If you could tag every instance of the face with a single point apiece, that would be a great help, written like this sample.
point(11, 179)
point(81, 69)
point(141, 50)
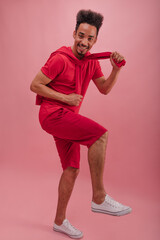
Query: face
point(84, 39)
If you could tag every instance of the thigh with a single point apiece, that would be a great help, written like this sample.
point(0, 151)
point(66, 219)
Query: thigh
point(69, 153)
point(70, 126)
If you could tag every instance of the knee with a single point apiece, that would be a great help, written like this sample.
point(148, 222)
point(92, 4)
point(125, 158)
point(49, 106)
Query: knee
point(71, 173)
point(75, 172)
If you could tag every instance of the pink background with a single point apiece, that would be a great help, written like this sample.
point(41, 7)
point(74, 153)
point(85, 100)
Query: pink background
point(30, 168)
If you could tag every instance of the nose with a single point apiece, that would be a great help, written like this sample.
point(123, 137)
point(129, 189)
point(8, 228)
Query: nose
point(84, 42)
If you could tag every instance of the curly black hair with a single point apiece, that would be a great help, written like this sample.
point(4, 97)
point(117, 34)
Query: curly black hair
point(90, 17)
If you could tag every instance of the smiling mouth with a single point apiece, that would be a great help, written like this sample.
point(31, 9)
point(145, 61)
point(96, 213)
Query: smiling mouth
point(81, 48)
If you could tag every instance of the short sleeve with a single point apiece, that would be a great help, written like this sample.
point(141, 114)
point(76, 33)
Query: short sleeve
point(53, 67)
point(98, 72)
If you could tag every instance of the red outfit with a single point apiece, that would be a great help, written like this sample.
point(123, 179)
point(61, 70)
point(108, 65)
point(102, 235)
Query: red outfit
point(68, 75)
point(70, 129)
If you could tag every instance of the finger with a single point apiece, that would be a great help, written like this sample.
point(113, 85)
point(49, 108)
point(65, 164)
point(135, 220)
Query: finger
point(113, 55)
point(119, 57)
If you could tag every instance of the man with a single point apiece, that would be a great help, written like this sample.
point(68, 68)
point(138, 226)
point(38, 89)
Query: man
point(60, 86)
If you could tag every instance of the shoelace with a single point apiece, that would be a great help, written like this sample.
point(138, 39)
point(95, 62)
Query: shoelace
point(112, 202)
point(70, 226)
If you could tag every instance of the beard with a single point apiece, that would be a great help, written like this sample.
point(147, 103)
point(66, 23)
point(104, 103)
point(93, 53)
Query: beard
point(80, 54)
point(81, 50)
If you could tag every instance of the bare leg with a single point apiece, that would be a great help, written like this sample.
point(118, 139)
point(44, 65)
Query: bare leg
point(65, 188)
point(96, 159)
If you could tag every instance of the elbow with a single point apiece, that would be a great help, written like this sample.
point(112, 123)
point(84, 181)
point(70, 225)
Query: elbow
point(105, 92)
point(33, 87)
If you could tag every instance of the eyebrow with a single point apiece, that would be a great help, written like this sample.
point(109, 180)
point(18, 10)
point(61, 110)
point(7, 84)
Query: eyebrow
point(84, 34)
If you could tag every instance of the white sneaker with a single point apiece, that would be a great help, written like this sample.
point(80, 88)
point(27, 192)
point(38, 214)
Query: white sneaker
point(68, 229)
point(110, 206)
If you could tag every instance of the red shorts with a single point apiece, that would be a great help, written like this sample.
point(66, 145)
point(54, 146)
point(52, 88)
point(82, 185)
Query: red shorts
point(69, 130)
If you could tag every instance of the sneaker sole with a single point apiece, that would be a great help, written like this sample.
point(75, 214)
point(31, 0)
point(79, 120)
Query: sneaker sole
point(71, 236)
point(121, 213)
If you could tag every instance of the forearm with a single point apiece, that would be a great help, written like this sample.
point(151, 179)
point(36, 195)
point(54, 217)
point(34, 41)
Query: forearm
point(47, 92)
point(110, 81)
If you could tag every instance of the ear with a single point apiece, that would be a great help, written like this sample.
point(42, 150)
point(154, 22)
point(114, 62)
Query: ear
point(74, 34)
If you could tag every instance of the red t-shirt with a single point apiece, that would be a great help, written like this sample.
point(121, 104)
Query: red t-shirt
point(61, 71)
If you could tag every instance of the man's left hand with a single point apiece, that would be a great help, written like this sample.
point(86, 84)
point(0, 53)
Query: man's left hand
point(118, 58)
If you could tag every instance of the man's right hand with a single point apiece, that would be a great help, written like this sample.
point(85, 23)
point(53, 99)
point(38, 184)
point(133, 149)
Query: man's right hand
point(73, 99)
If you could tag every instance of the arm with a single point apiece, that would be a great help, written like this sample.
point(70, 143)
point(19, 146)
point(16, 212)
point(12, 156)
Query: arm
point(105, 85)
point(38, 86)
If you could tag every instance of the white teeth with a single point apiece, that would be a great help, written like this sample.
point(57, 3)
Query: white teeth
point(82, 48)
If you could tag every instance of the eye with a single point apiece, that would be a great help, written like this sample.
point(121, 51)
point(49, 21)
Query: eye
point(90, 39)
point(80, 36)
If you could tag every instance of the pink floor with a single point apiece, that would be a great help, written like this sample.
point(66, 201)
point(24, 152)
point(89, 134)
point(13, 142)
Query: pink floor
point(28, 202)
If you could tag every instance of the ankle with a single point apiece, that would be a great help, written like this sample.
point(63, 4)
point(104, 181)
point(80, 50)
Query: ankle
point(99, 197)
point(59, 221)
